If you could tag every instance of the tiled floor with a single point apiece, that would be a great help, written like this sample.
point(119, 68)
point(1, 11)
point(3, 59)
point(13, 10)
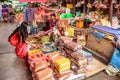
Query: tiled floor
point(14, 68)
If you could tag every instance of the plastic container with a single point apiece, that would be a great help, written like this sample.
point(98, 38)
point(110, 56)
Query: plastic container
point(80, 23)
point(48, 49)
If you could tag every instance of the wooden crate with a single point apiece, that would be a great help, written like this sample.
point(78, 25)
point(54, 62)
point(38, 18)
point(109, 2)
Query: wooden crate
point(102, 49)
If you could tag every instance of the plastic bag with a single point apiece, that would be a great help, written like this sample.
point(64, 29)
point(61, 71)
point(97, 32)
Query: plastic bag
point(63, 16)
point(115, 60)
point(13, 39)
point(69, 15)
point(21, 50)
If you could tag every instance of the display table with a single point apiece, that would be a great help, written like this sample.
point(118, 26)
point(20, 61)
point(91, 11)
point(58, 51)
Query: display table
point(97, 66)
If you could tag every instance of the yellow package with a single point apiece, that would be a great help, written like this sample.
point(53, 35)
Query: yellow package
point(63, 69)
point(70, 31)
point(33, 51)
point(110, 37)
point(62, 63)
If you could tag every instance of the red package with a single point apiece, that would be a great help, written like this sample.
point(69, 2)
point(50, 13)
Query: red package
point(52, 55)
point(64, 77)
point(13, 39)
point(35, 57)
point(21, 50)
point(55, 58)
point(39, 65)
point(45, 74)
point(68, 72)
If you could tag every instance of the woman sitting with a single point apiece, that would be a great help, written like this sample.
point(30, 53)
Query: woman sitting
point(18, 39)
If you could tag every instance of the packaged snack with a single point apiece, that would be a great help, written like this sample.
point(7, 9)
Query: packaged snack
point(33, 51)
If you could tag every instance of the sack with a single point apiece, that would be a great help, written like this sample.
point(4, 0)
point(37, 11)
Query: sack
point(21, 50)
point(13, 39)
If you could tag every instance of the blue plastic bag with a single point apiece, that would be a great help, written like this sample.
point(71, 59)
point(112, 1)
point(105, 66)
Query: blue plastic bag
point(115, 60)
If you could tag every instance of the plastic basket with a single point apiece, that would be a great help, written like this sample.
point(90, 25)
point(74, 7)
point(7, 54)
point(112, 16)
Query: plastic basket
point(51, 49)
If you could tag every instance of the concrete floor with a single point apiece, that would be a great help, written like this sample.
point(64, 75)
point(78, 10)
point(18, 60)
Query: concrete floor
point(14, 68)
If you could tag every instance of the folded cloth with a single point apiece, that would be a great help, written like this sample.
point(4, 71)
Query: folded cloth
point(98, 35)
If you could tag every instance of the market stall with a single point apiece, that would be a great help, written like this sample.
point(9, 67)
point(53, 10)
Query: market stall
point(64, 52)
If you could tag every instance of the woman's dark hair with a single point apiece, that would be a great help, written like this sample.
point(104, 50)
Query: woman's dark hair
point(53, 15)
point(22, 32)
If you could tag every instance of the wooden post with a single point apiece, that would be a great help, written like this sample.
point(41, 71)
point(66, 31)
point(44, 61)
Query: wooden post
point(111, 10)
point(73, 2)
point(84, 7)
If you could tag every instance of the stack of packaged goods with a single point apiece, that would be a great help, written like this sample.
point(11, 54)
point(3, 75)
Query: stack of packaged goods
point(79, 31)
point(61, 42)
point(60, 65)
point(62, 68)
point(78, 60)
point(80, 35)
point(73, 51)
point(39, 67)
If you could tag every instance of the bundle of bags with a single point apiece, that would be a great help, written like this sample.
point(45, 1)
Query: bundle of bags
point(73, 51)
point(80, 35)
point(60, 65)
point(48, 66)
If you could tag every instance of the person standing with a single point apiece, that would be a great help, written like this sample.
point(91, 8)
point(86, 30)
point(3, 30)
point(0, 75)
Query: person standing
point(11, 13)
point(0, 13)
point(11, 10)
point(5, 13)
point(29, 16)
point(0, 16)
